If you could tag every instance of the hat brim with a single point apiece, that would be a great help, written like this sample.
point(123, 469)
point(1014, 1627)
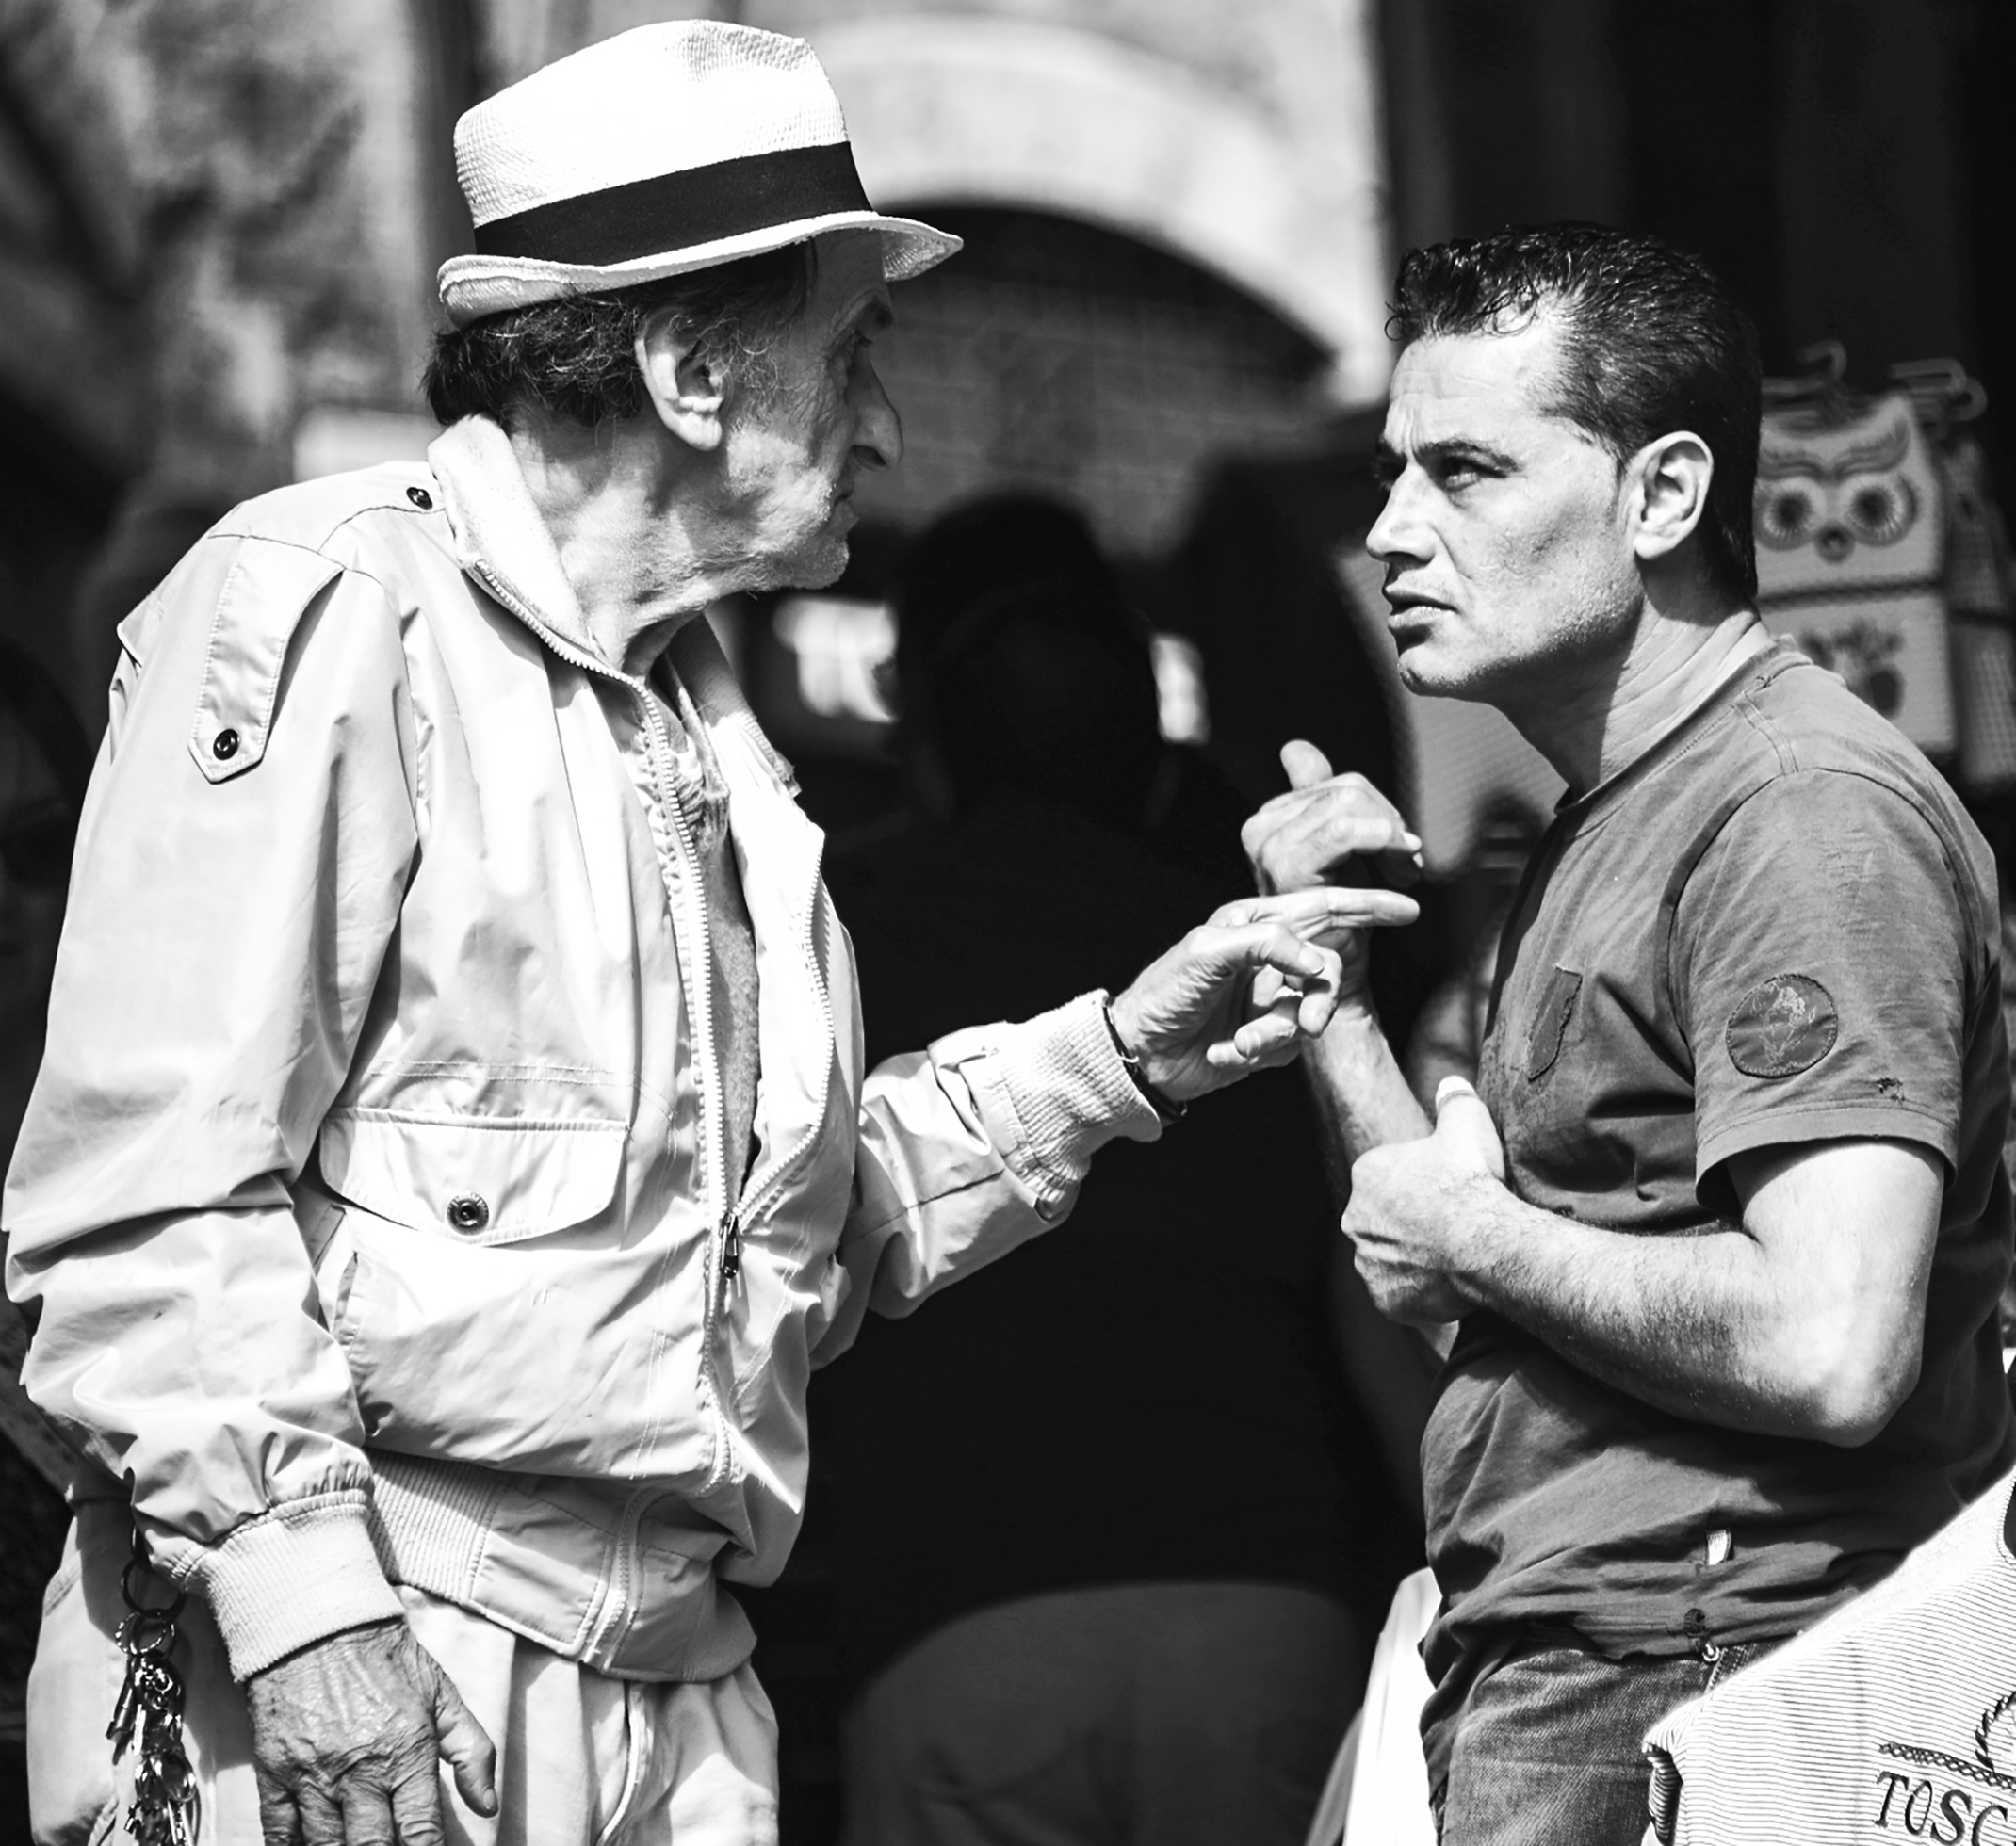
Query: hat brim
point(473, 287)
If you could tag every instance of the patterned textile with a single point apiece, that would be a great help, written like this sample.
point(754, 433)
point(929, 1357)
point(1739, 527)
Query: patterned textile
point(1894, 1716)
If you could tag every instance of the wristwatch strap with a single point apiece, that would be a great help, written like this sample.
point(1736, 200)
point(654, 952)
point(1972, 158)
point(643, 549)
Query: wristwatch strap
point(1167, 1109)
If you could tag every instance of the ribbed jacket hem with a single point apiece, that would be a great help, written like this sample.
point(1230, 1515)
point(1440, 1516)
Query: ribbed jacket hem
point(295, 1575)
point(497, 1544)
point(429, 1521)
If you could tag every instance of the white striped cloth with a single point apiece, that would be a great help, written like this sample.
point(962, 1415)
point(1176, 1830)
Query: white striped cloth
point(1893, 1720)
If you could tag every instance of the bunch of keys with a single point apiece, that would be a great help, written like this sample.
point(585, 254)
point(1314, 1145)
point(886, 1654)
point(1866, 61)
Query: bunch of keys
point(164, 1804)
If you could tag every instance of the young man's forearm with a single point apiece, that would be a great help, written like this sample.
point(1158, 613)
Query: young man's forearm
point(1362, 1100)
point(1698, 1325)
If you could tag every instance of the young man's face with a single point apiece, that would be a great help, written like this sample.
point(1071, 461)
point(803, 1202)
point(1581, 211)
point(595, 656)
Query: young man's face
point(794, 454)
point(1503, 536)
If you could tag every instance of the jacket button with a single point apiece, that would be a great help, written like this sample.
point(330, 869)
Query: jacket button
point(468, 1212)
point(224, 745)
point(421, 499)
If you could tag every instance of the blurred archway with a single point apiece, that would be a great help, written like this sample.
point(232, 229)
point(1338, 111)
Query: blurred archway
point(1008, 112)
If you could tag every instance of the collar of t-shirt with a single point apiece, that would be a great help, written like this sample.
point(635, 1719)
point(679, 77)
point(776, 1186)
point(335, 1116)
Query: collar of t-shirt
point(1758, 666)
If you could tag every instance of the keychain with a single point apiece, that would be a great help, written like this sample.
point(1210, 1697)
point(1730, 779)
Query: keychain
point(166, 1808)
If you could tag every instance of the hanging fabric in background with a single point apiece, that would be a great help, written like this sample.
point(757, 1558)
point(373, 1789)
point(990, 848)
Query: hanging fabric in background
point(1880, 550)
point(1851, 550)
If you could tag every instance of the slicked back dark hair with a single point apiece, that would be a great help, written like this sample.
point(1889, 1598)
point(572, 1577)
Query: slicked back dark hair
point(577, 357)
point(1652, 342)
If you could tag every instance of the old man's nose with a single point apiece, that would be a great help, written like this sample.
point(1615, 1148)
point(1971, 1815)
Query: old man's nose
point(879, 433)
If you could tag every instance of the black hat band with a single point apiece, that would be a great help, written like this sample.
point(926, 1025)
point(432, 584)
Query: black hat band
point(682, 211)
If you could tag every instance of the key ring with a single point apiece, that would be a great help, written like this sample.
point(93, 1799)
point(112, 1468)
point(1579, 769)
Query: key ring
point(166, 1810)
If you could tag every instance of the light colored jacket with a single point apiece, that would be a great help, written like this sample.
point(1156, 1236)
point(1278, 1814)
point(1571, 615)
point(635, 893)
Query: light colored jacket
point(372, 1188)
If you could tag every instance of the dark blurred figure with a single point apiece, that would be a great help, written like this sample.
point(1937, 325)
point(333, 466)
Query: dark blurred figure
point(1117, 1588)
point(1256, 584)
point(44, 763)
point(953, 580)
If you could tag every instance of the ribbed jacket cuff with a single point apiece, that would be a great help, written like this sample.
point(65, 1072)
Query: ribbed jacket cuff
point(302, 1572)
point(1070, 1091)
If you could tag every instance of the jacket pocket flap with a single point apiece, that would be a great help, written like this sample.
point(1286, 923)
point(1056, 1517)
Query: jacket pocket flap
point(487, 1180)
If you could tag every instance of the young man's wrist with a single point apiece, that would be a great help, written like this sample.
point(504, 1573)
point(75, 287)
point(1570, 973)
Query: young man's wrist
point(1355, 1019)
point(1475, 1214)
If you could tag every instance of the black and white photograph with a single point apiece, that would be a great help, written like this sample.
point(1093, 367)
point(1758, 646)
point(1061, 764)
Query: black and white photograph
point(1319, 693)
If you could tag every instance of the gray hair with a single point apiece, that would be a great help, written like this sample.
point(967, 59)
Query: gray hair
point(576, 357)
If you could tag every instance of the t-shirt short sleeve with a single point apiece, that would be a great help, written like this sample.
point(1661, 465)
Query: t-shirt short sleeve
point(1819, 960)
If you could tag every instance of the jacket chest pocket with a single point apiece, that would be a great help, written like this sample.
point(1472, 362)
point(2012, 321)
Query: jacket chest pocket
point(479, 1180)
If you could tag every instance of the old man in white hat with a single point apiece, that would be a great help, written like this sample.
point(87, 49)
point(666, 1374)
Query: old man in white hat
point(454, 1149)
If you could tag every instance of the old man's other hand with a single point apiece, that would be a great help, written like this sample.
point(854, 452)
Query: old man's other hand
point(1243, 991)
point(345, 1734)
point(1411, 1203)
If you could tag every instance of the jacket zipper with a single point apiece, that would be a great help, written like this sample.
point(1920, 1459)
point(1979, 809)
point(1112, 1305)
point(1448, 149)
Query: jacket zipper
point(617, 1608)
point(726, 1237)
point(721, 1266)
point(758, 1194)
point(725, 1245)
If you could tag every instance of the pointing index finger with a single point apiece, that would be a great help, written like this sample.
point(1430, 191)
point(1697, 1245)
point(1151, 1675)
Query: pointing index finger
point(1337, 906)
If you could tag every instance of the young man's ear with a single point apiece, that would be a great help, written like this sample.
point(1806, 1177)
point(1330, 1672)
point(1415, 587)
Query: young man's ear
point(687, 386)
point(1673, 473)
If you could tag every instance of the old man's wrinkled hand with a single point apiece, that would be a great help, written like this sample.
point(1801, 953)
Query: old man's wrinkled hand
point(344, 1736)
point(1243, 991)
point(1416, 1203)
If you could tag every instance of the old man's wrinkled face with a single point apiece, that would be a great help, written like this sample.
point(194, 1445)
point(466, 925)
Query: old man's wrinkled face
point(795, 451)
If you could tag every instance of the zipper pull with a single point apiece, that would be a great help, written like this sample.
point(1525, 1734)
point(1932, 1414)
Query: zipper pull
point(731, 1249)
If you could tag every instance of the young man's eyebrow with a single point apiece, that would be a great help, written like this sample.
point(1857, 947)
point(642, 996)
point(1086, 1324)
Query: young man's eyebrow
point(1463, 449)
point(1386, 459)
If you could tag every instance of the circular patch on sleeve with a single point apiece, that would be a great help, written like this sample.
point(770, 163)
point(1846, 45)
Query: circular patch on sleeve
point(1785, 1024)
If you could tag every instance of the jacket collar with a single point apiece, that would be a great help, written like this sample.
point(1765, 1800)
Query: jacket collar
point(499, 534)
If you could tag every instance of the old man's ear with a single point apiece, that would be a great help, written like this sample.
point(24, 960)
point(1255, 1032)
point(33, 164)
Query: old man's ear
point(685, 379)
point(1673, 473)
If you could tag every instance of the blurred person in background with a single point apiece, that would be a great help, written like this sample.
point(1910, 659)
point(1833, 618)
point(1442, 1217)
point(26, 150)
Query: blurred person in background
point(1126, 1599)
point(1191, 811)
point(44, 763)
point(1726, 1230)
point(454, 1143)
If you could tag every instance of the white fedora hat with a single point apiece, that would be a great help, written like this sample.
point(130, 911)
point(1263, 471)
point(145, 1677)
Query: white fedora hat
point(668, 149)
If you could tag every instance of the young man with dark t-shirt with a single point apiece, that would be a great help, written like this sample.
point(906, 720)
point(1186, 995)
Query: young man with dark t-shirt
point(1725, 1223)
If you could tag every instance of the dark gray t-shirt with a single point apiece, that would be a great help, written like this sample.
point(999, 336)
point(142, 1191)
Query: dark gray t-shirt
point(1776, 927)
